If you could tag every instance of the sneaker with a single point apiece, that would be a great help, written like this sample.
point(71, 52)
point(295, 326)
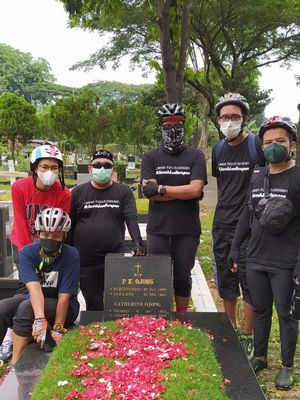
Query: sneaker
point(284, 379)
point(247, 345)
point(6, 351)
point(257, 364)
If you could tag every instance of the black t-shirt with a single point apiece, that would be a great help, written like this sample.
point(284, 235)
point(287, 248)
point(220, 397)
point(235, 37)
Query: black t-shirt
point(98, 220)
point(175, 217)
point(233, 171)
point(264, 249)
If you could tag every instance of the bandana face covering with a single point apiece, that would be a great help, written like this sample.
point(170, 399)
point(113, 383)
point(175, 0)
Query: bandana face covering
point(173, 139)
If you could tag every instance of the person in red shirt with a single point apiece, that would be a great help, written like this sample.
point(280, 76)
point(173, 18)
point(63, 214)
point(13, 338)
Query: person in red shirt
point(45, 188)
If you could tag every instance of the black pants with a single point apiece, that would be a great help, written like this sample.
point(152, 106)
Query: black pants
point(265, 287)
point(8, 309)
point(17, 313)
point(183, 252)
point(92, 286)
point(229, 283)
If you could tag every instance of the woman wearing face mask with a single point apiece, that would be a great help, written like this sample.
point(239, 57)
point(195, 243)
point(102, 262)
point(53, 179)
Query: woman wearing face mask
point(29, 197)
point(99, 210)
point(50, 272)
point(273, 257)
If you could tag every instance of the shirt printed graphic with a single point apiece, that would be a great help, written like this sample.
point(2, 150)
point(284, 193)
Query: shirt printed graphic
point(102, 204)
point(173, 170)
point(50, 279)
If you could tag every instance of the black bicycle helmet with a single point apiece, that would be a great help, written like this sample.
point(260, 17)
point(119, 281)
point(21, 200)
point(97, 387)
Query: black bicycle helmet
point(235, 99)
point(169, 110)
point(278, 122)
point(52, 220)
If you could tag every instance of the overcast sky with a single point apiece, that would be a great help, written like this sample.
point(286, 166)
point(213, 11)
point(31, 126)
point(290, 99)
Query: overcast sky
point(41, 28)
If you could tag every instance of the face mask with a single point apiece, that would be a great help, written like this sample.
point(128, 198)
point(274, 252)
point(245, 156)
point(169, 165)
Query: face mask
point(173, 139)
point(276, 153)
point(47, 178)
point(102, 175)
point(50, 246)
point(231, 129)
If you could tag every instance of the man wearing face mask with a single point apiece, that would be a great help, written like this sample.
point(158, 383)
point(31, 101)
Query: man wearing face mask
point(99, 211)
point(173, 177)
point(273, 254)
point(233, 161)
point(50, 272)
point(29, 197)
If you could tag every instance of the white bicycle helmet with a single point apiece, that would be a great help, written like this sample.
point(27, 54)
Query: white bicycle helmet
point(52, 220)
point(235, 99)
point(168, 110)
point(45, 151)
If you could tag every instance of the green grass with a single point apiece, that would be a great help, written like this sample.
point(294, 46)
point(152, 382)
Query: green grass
point(198, 377)
point(204, 249)
point(142, 206)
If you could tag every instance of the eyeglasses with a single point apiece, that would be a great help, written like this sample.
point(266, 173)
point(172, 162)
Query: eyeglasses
point(45, 167)
point(100, 165)
point(230, 117)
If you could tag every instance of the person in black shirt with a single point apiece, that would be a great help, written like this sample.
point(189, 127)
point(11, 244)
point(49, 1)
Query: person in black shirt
point(233, 160)
point(173, 177)
point(99, 210)
point(273, 258)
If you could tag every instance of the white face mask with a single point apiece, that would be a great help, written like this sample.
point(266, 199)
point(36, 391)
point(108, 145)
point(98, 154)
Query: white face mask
point(47, 178)
point(231, 129)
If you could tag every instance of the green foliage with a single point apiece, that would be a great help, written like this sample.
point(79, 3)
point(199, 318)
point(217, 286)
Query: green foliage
point(81, 118)
point(17, 119)
point(29, 78)
point(120, 167)
point(23, 164)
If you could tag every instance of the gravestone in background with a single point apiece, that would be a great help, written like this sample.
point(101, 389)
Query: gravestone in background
point(137, 286)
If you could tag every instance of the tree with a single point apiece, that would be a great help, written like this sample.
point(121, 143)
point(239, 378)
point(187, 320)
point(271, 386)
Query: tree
point(17, 119)
point(29, 78)
point(81, 119)
point(140, 29)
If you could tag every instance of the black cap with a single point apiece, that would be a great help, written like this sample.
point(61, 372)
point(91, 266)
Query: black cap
point(102, 154)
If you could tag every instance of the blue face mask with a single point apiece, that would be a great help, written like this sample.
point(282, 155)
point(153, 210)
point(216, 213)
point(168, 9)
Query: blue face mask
point(102, 175)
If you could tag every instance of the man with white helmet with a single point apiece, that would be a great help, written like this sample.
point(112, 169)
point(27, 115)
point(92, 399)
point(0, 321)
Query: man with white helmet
point(50, 271)
point(29, 197)
point(233, 161)
point(173, 177)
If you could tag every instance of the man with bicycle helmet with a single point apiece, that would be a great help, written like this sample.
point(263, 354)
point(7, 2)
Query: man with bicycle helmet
point(173, 177)
point(29, 197)
point(50, 271)
point(233, 160)
point(273, 250)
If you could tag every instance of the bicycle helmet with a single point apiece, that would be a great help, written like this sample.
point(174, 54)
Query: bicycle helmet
point(235, 99)
point(52, 220)
point(45, 151)
point(170, 110)
point(278, 122)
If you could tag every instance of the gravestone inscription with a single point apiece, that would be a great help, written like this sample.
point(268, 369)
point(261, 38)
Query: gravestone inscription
point(137, 286)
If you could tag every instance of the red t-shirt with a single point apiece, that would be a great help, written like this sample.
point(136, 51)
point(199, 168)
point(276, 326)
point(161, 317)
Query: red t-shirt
point(28, 202)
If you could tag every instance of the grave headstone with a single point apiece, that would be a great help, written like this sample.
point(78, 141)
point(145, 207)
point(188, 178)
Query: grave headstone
point(131, 162)
point(137, 286)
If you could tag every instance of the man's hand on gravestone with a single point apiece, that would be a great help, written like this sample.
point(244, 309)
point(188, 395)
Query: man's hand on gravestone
point(150, 189)
point(139, 249)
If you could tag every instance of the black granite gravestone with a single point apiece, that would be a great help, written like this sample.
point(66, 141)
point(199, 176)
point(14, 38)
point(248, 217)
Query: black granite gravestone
point(137, 286)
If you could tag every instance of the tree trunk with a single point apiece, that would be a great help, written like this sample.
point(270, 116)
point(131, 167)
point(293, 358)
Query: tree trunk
point(203, 146)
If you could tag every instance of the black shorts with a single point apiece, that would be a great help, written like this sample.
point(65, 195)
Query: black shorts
point(229, 283)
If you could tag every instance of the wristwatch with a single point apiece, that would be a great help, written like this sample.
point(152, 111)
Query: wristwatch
point(162, 190)
point(59, 328)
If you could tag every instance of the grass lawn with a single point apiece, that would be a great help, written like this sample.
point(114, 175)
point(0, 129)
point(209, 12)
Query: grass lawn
point(266, 377)
point(191, 377)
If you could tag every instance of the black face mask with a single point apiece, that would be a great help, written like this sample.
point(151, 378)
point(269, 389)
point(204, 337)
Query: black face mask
point(50, 246)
